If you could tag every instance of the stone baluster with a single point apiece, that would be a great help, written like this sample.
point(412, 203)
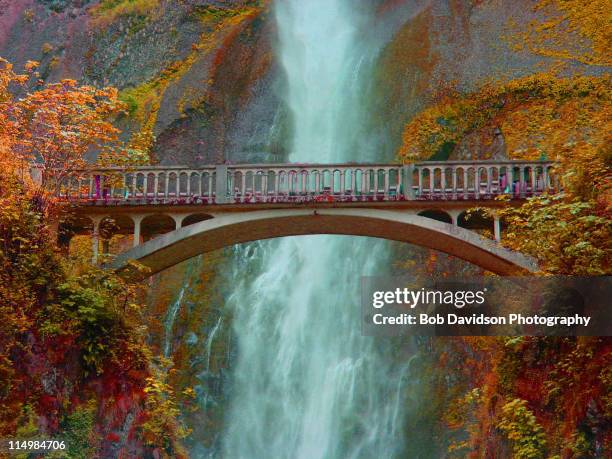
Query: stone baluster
point(478, 181)
point(221, 179)
point(497, 227)
point(145, 184)
point(155, 184)
point(420, 178)
point(91, 186)
point(365, 182)
point(276, 183)
point(432, 181)
point(386, 182)
point(264, 185)
point(511, 178)
point(443, 181)
point(408, 178)
point(521, 183)
point(398, 180)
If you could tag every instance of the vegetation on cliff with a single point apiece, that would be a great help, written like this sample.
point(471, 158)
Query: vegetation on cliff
point(535, 397)
point(541, 116)
point(73, 359)
point(527, 397)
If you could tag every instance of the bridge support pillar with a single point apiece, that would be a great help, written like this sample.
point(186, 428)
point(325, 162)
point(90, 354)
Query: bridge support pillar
point(221, 185)
point(407, 182)
point(497, 228)
point(95, 239)
point(137, 219)
point(454, 215)
point(178, 220)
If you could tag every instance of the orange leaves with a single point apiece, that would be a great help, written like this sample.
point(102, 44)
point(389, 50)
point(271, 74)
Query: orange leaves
point(61, 122)
point(55, 126)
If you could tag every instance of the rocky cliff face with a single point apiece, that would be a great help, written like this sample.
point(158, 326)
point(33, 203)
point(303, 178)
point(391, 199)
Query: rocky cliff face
point(200, 74)
point(195, 74)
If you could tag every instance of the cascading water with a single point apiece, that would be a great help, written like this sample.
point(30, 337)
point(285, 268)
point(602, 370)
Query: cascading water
point(174, 308)
point(306, 383)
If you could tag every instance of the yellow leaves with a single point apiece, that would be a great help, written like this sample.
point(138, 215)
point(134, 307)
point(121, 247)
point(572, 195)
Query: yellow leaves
point(565, 119)
point(522, 428)
point(570, 30)
point(31, 66)
point(538, 114)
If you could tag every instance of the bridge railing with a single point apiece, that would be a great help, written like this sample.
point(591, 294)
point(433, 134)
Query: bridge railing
point(482, 179)
point(286, 183)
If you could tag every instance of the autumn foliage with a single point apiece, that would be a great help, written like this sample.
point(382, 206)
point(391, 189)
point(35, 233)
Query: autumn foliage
point(58, 126)
point(535, 397)
point(73, 358)
point(572, 30)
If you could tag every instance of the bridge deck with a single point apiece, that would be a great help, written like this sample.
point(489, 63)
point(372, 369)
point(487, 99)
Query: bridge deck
point(235, 203)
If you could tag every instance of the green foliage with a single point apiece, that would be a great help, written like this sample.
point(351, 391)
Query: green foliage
point(566, 119)
point(130, 101)
point(78, 433)
point(569, 237)
point(209, 12)
point(70, 330)
point(522, 429)
point(92, 315)
point(27, 423)
point(580, 446)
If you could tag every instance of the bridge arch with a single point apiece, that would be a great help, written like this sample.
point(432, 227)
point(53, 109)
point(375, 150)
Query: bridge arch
point(235, 228)
point(157, 224)
point(194, 218)
point(436, 214)
point(474, 220)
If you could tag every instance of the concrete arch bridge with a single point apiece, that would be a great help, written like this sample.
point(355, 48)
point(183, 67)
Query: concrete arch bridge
point(175, 213)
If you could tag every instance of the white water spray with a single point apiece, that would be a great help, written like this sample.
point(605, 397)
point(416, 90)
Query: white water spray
point(307, 384)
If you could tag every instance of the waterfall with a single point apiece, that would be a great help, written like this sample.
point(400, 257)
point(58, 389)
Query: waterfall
point(306, 383)
point(173, 309)
point(170, 318)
